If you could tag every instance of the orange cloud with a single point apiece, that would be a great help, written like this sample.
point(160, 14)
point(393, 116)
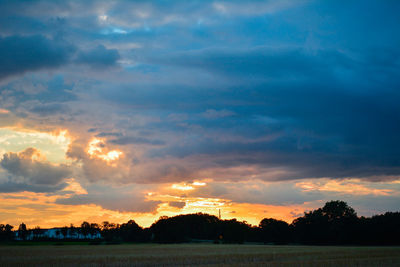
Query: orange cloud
point(74, 187)
point(351, 187)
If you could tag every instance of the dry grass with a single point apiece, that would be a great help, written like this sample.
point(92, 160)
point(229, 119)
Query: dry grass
point(197, 254)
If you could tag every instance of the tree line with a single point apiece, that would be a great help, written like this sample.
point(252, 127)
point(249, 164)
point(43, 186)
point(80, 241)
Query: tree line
point(335, 223)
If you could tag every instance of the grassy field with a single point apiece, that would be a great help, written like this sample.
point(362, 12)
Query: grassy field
point(197, 254)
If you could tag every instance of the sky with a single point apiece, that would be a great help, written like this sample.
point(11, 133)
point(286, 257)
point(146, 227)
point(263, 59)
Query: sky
point(119, 110)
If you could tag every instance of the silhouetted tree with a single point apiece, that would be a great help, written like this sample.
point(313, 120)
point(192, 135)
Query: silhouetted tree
point(37, 232)
point(6, 233)
point(94, 228)
point(72, 230)
point(85, 229)
point(380, 229)
point(234, 231)
point(105, 226)
point(334, 223)
point(64, 231)
point(110, 232)
point(338, 210)
point(22, 231)
point(131, 232)
point(184, 228)
point(274, 231)
point(58, 233)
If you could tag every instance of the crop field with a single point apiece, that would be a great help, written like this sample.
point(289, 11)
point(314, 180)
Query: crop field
point(196, 254)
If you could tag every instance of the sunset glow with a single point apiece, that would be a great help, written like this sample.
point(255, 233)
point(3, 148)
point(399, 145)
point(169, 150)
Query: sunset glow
point(182, 187)
point(96, 149)
point(111, 155)
point(187, 186)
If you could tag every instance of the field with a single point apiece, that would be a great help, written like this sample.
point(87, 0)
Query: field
point(196, 254)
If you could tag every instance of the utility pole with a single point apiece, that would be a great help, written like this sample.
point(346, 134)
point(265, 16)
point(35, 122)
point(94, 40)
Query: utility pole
point(219, 214)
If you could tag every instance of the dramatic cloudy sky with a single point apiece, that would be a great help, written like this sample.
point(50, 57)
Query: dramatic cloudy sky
point(117, 110)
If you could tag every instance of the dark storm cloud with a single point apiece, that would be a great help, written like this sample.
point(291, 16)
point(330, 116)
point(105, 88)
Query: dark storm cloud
point(18, 24)
point(267, 62)
point(324, 107)
point(19, 54)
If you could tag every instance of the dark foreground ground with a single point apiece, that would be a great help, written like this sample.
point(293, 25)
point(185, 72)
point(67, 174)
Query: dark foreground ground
point(196, 254)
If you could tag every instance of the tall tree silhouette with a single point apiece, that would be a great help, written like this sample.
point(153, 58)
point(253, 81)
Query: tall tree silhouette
point(85, 229)
point(22, 231)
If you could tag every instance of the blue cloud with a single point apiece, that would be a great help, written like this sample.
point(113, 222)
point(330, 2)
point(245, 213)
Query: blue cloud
point(135, 140)
point(98, 57)
point(28, 53)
